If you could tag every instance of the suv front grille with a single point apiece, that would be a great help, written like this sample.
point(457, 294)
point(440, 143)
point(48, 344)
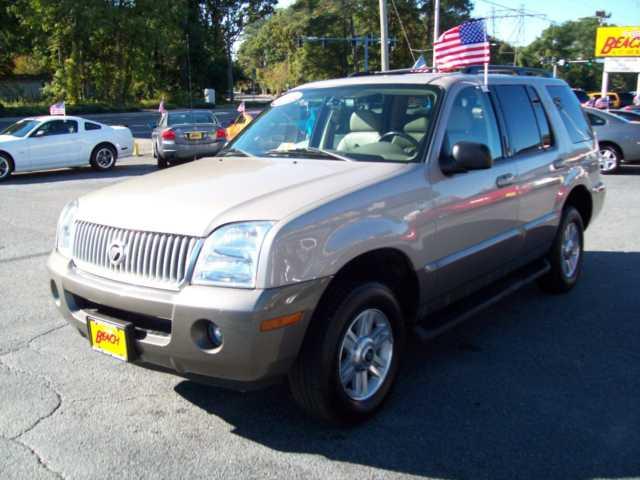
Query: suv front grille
point(142, 258)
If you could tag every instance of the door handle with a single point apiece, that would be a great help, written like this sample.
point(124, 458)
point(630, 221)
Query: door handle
point(505, 180)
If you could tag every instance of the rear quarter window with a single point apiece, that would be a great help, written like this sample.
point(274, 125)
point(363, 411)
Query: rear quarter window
point(571, 113)
point(91, 126)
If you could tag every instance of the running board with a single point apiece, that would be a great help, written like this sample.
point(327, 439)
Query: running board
point(460, 311)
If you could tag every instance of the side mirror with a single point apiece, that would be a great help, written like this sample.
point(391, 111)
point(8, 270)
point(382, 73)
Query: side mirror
point(467, 156)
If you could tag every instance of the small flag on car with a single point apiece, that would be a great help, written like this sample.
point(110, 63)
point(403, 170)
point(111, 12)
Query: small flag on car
point(420, 65)
point(241, 107)
point(57, 109)
point(161, 108)
point(466, 44)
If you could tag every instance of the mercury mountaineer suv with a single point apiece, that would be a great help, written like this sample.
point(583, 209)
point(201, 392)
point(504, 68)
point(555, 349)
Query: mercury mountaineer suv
point(350, 214)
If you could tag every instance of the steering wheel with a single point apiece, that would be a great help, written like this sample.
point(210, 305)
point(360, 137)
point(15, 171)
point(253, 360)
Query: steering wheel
point(396, 133)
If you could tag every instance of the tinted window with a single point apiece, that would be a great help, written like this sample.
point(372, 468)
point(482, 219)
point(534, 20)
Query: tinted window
point(581, 95)
point(91, 126)
point(541, 118)
point(519, 117)
point(472, 119)
point(57, 127)
point(595, 120)
point(625, 99)
point(571, 113)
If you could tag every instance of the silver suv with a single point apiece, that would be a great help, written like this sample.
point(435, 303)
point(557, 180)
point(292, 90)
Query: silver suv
point(349, 215)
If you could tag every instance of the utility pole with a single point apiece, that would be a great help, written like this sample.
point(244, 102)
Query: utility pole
point(436, 28)
point(384, 37)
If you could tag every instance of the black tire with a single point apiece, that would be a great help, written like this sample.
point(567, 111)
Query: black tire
point(6, 166)
point(315, 380)
point(104, 157)
point(154, 149)
point(162, 161)
point(610, 159)
point(558, 280)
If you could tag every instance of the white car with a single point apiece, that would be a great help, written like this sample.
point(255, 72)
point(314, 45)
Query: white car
point(42, 143)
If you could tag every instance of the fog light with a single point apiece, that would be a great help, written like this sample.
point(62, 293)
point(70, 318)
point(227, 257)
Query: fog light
point(215, 335)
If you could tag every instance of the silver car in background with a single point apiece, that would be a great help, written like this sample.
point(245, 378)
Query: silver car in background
point(186, 135)
point(619, 139)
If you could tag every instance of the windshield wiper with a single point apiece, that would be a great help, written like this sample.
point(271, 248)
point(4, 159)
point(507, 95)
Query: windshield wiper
point(233, 152)
point(310, 152)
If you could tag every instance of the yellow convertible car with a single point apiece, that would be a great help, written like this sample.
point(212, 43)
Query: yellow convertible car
point(238, 125)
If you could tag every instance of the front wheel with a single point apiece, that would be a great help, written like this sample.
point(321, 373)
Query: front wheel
point(350, 356)
point(103, 157)
point(6, 167)
point(565, 256)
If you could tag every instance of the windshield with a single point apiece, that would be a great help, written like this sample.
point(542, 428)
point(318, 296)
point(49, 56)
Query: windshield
point(363, 122)
point(178, 118)
point(21, 128)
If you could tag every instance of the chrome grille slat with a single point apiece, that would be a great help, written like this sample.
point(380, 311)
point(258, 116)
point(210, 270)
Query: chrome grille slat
point(152, 259)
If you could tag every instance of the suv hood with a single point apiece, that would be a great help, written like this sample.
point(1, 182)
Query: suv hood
point(195, 198)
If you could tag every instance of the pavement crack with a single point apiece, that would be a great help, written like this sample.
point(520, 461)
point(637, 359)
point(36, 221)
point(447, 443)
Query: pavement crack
point(41, 461)
point(25, 257)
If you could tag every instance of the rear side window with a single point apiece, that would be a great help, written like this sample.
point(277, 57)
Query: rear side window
point(595, 120)
point(91, 126)
point(571, 113)
point(546, 137)
point(519, 117)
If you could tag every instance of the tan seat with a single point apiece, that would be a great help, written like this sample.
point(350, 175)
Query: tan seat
point(417, 128)
point(364, 128)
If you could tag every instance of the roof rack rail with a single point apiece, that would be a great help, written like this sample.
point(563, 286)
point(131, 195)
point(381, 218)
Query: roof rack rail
point(471, 70)
point(399, 71)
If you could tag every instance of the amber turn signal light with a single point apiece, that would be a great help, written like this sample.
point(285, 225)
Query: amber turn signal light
point(280, 322)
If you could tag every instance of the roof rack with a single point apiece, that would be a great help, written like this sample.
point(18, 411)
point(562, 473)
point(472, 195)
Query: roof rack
point(472, 70)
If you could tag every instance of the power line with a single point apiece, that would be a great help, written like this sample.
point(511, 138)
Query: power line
point(404, 31)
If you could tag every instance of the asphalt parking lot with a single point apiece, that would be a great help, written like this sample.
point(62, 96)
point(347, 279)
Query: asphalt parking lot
point(544, 387)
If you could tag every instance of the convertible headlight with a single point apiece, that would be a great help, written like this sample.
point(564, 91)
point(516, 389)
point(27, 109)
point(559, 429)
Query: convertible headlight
point(229, 257)
point(67, 229)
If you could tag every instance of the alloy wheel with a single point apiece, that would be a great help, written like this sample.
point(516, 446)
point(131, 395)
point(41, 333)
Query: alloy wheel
point(570, 249)
point(105, 158)
point(5, 168)
point(365, 354)
point(608, 160)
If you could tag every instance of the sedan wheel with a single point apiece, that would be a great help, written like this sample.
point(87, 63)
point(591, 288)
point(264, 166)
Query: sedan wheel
point(103, 157)
point(5, 167)
point(609, 159)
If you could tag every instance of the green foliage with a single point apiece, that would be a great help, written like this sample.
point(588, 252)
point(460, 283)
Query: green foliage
point(119, 51)
point(270, 49)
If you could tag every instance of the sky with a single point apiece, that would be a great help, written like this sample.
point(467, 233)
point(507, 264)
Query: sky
point(623, 12)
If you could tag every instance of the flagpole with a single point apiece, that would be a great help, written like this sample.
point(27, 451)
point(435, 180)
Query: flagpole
point(436, 28)
point(486, 64)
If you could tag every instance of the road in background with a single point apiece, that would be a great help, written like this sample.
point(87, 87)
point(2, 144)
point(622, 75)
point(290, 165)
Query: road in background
point(141, 123)
point(536, 387)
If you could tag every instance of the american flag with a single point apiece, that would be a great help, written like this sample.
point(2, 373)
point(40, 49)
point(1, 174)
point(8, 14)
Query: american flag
point(466, 44)
point(57, 109)
point(420, 65)
point(161, 108)
point(242, 107)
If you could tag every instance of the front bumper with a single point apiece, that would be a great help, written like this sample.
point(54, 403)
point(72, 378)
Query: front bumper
point(180, 151)
point(247, 357)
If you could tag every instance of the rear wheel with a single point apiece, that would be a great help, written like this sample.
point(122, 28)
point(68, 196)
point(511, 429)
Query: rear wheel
point(350, 356)
point(609, 158)
point(565, 256)
point(103, 157)
point(162, 161)
point(6, 166)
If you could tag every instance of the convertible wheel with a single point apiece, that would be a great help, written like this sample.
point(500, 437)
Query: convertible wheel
point(609, 159)
point(103, 157)
point(6, 167)
point(350, 357)
point(565, 256)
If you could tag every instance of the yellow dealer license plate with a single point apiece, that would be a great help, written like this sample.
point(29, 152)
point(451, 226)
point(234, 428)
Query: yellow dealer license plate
point(195, 135)
point(109, 338)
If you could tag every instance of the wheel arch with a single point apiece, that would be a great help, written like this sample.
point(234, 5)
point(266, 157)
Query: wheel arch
point(581, 200)
point(105, 143)
point(612, 144)
point(389, 266)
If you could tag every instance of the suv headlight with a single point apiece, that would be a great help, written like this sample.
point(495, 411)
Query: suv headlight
point(229, 257)
point(67, 229)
